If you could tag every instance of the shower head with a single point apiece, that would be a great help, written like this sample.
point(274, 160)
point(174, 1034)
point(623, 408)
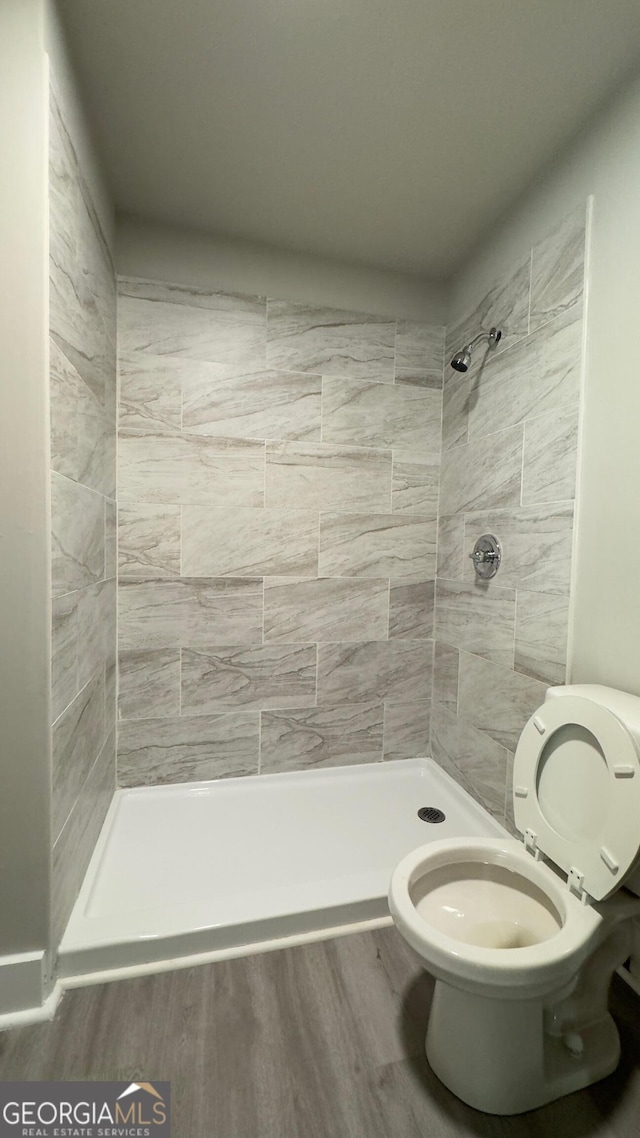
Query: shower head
point(462, 359)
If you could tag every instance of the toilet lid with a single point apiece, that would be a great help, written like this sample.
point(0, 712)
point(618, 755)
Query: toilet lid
point(576, 788)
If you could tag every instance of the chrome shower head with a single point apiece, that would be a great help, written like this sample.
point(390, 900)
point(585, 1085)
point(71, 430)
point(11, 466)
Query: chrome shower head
point(462, 360)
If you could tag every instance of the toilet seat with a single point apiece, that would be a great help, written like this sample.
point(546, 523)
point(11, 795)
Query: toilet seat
point(518, 973)
point(576, 790)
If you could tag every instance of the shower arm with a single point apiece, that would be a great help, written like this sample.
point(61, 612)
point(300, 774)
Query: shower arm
point(492, 337)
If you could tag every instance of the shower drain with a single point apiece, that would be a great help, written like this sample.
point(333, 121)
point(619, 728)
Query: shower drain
point(430, 814)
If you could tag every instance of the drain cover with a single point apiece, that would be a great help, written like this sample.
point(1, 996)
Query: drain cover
point(430, 814)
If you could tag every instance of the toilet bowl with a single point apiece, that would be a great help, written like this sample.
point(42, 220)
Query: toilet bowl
point(523, 937)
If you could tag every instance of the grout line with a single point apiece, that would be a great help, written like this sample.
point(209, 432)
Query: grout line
point(384, 727)
point(180, 651)
point(82, 485)
point(388, 607)
point(530, 292)
point(318, 531)
point(260, 713)
point(181, 570)
point(524, 427)
point(515, 626)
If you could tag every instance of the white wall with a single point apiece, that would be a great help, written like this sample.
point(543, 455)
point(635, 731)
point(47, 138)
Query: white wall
point(605, 162)
point(189, 257)
point(24, 482)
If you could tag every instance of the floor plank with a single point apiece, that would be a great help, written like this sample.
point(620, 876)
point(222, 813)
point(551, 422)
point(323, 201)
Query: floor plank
point(321, 1041)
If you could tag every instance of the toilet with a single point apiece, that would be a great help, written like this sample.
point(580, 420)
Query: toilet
point(523, 936)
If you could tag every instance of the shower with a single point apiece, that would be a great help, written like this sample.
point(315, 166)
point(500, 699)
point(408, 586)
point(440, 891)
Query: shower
point(462, 359)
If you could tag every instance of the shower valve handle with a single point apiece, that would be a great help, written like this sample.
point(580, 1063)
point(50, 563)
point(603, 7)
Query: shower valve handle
point(481, 556)
point(486, 556)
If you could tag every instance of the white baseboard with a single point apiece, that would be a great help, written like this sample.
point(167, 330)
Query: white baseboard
point(23, 982)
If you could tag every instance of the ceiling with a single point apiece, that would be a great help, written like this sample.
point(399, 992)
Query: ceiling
point(389, 133)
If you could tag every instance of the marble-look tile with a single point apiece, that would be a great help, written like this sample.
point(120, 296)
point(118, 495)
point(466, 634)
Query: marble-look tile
point(173, 320)
point(266, 676)
point(496, 700)
point(76, 843)
point(149, 683)
point(188, 749)
point(78, 735)
point(257, 404)
point(245, 542)
point(329, 341)
point(451, 549)
point(472, 758)
point(111, 690)
point(557, 269)
point(64, 652)
point(416, 481)
point(149, 540)
point(419, 353)
point(321, 737)
point(82, 436)
point(110, 538)
point(506, 304)
point(395, 670)
point(550, 457)
point(539, 375)
point(360, 413)
point(445, 675)
point(79, 311)
point(328, 609)
point(64, 195)
point(459, 392)
point(376, 545)
point(189, 469)
point(190, 612)
point(482, 474)
point(77, 535)
point(478, 617)
point(536, 545)
point(542, 627)
point(76, 326)
point(327, 477)
point(96, 451)
point(65, 390)
point(96, 618)
point(151, 392)
point(406, 730)
point(94, 258)
point(411, 604)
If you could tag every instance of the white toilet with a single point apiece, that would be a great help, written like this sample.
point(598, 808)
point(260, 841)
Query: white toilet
point(523, 937)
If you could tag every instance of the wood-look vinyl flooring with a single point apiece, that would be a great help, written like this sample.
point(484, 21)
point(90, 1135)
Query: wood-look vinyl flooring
point(321, 1041)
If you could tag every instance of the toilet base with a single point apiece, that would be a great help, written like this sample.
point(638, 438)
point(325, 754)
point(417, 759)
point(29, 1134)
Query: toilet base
point(495, 1055)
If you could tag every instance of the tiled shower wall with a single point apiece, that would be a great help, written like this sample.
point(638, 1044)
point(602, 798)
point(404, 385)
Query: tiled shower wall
point(510, 440)
point(83, 516)
point(278, 483)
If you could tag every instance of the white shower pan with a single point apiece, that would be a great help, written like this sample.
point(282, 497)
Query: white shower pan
point(209, 867)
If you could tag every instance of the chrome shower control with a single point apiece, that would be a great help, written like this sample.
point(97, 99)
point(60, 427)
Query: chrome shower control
point(486, 556)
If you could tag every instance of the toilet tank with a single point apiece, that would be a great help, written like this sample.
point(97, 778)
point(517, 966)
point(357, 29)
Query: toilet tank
point(627, 709)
